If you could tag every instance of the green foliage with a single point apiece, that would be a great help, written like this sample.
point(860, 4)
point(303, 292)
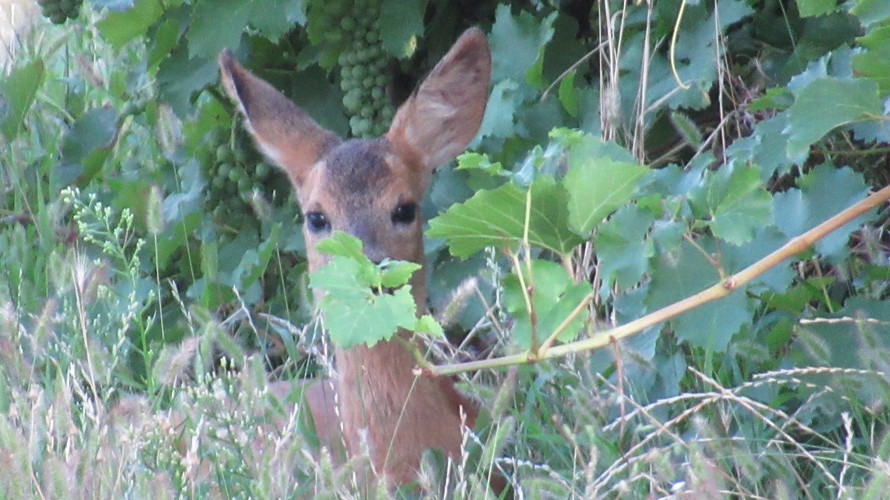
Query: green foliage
point(365, 302)
point(825, 103)
point(733, 201)
point(596, 187)
point(506, 224)
point(19, 89)
point(628, 159)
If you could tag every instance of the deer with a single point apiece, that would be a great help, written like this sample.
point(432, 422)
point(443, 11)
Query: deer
point(372, 189)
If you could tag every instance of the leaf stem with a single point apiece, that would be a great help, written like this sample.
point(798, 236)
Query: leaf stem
point(723, 288)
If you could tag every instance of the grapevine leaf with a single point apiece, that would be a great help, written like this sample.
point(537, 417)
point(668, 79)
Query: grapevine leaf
point(825, 104)
point(216, 25)
point(684, 272)
point(517, 43)
point(219, 24)
point(401, 22)
point(734, 200)
point(778, 98)
point(165, 38)
point(341, 244)
point(477, 161)
point(353, 313)
point(596, 187)
point(497, 218)
point(180, 76)
point(767, 147)
point(395, 273)
point(871, 11)
point(275, 17)
point(811, 8)
point(553, 297)
point(86, 146)
point(499, 112)
point(17, 91)
point(824, 191)
point(428, 324)
point(874, 62)
point(622, 246)
point(121, 26)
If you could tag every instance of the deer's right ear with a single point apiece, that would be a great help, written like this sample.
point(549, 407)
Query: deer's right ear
point(284, 132)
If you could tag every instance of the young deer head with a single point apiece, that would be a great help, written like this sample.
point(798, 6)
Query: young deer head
point(372, 189)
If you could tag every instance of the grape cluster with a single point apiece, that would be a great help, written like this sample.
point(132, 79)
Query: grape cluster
point(351, 30)
point(234, 174)
point(59, 11)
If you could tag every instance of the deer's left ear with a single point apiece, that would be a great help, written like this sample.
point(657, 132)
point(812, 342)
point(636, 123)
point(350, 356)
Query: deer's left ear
point(445, 112)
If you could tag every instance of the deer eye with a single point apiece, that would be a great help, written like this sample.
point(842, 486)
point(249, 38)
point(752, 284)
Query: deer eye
point(317, 222)
point(405, 213)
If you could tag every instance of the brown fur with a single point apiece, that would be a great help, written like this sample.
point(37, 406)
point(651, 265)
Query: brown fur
point(357, 184)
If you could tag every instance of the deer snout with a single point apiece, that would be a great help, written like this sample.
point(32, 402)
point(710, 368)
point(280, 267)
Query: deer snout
point(365, 231)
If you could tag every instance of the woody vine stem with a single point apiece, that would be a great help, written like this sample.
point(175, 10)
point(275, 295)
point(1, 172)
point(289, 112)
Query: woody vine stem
point(718, 290)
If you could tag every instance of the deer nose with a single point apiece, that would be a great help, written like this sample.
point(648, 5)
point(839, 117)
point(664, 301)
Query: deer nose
point(364, 231)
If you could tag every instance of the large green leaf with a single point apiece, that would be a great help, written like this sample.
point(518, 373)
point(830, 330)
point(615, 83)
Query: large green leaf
point(17, 92)
point(622, 247)
point(826, 103)
point(497, 218)
point(87, 146)
point(353, 313)
point(401, 22)
point(216, 25)
point(768, 148)
point(517, 43)
point(684, 272)
point(871, 11)
point(809, 8)
point(874, 62)
point(596, 187)
point(179, 77)
point(361, 302)
point(735, 202)
point(824, 191)
point(121, 26)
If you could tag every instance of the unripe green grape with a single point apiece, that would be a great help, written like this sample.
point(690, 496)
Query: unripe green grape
point(223, 170)
point(352, 100)
point(235, 174)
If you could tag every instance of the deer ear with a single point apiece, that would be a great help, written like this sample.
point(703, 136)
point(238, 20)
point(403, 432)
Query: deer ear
point(284, 132)
point(444, 113)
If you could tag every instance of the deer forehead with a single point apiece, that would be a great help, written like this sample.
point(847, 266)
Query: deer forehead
point(357, 175)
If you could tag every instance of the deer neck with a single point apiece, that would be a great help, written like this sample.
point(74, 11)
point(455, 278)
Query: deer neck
point(394, 412)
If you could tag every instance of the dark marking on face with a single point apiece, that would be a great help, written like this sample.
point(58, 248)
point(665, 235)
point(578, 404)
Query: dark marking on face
point(358, 167)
